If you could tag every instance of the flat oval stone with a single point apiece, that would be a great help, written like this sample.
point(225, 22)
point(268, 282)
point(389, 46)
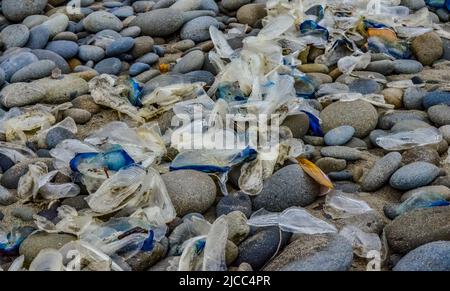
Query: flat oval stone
point(407, 66)
point(339, 135)
point(101, 20)
point(414, 175)
point(36, 70)
point(38, 38)
point(64, 48)
point(91, 53)
point(60, 62)
point(17, 10)
point(16, 62)
point(198, 28)
point(15, 35)
point(120, 46)
point(111, 66)
point(160, 22)
point(190, 62)
point(364, 86)
point(21, 94)
point(435, 98)
point(381, 171)
point(138, 68)
point(434, 256)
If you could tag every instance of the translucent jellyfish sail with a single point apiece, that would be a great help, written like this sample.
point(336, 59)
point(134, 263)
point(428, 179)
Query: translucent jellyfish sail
point(293, 219)
point(342, 205)
point(363, 243)
point(410, 139)
point(216, 241)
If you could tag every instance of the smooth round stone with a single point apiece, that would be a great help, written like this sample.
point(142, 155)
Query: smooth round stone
point(361, 115)
point(15, 35)
point(289, 186)
point(60, 62)
point(439, 114)
point(414, 175)
point(407, 66)
point(251, 14)
point(341, 152)
point(101, 20)
point(111, 66)
point(138, 68)
point(364, 86)
point(33, 71)
point(186, 5)
point(340, 176)
point(257, 249)
point(133, 31)
point(34, 243)
point(16, 62)
point(443, 15)
point(34, 20)
point(190, 62)
point(339, 135)
point(421, 154)
point(149, 58)
point(190, 191)
point(238, 229)
point(38, 38)
point(91, 53)
point(142, 45)
point(328, 164)
point(80, 116)
point(21, 94)
point(201, 76)
point(64, 48)
point(418, 227)
point(298, 124)
point(427, 48)
point(104, 38)
point(413, 97)
point(209, 5)
point(56, 24)
point(25, 213)
point(435, 98)
point(66, 35)
point(234, 4)
point(123, 12)
point(238, 202)
point(385, 67)
point(160, 22)
point(393, 96)
point(120, 46)
point(143, 6)
point(322, 252)
point(198, 28)
point(18, 10)
point(445, 131)
point(381, 171)
point(388, 120)
point(62, 90)
point(86, 102)
point(57, 135)
point(434, 256)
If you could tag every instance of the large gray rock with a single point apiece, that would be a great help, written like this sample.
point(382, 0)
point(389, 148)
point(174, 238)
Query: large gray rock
point(341, 152)
point(38, 38)
point(289, 186)
point(381, 171)
point(21, 94)
point(161, 22)
point(36, 70)
point(198, 29)
point(15, 35)
point(359, 114)
point(17, 10)
point(101, 20)
point(62, 90)
point(57, 23)
point(439, 114)
point(60, 62)
point(418, 227)
point(314, 253)
point(434, 256)
point(190, 62)
point(16, 62)
point(190, 191)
